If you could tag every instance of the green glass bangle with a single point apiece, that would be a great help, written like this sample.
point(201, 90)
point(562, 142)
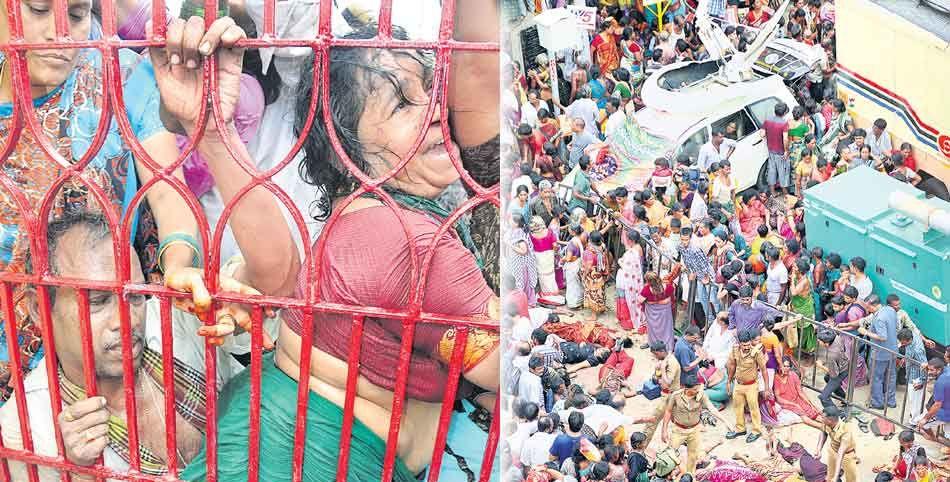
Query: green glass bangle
point(180, 238)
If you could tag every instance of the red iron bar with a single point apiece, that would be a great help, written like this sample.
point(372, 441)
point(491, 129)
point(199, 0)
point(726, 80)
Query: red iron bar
point(114, 115)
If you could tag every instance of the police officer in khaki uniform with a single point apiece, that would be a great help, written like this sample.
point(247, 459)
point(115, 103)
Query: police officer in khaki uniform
point(841, 451)
point(683, 409)
point(667, 375)
point(745, 363)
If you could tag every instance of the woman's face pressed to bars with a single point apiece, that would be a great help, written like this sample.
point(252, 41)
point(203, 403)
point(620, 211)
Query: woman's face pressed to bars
point(48, 68)
point(393, 119)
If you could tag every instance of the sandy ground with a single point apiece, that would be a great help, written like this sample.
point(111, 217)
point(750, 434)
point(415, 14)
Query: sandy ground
point(871, 450)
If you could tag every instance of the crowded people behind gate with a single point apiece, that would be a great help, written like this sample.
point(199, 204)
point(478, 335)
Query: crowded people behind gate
point(680, 288)
point(370, 257)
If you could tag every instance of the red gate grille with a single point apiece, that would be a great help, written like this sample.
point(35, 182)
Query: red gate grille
point(34, 222)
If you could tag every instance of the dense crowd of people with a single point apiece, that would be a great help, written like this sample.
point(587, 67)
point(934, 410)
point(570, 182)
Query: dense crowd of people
point(377, 101)
point(721, 287)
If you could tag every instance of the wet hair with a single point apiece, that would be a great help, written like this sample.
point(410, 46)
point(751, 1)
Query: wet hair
point(859, 132)
point(746, 336)
point(692, 330)
point(658, 347)
point(351, 74)
point(762, 230)
point(615, 102)
point(906, 436)
point(535, 362)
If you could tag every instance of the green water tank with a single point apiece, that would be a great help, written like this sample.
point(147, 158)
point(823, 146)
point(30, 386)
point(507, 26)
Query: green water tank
point(850, 215)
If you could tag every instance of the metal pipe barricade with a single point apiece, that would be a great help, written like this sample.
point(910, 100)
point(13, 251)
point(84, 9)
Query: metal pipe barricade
point(34, 221)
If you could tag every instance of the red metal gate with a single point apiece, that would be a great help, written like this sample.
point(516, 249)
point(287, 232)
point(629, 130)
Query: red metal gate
point(35, 223)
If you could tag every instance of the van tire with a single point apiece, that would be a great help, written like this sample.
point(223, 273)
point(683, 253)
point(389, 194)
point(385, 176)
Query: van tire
point(934, 187)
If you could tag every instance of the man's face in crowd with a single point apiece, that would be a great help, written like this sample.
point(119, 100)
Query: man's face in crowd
point(610, 108)
point(745, 346)
point(538, 371)
point(896, 304)
point(933, 371)
point(746, 300)
point(858, 141)
point(659, 355)
point(533, 99)
point(847, 155)
point(876, 130)
point(692, 391)
point(77, 256)
point(578, 127)
point(717, 139)
point(547, 193)
point(684, 240)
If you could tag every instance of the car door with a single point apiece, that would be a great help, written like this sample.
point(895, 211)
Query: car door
point(750, 153)
point(698, 136)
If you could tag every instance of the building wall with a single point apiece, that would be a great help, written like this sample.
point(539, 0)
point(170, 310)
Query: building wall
point(890, 68)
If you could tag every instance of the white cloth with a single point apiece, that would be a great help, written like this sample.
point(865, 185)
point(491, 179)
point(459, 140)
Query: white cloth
point(864, 286)
point(521, 329)
point(880, 145)
point(597, 414)
point(718, 344)
point(529, 115)
point(530, 388)
point(537, 449)
point(189, 348)
point(615, 121)
point(522, 433)
point(585, 109)
point(776, 276)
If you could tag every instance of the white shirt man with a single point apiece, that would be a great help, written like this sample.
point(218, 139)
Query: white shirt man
point(188, 349)
point(530, 388)
point(717, 149)
point(537, 449)
point(863, 285)
point(879, 140)
point(586, 109)
point(529, 113)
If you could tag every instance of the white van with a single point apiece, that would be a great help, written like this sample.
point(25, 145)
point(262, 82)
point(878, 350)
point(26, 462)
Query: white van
point(685, 102)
